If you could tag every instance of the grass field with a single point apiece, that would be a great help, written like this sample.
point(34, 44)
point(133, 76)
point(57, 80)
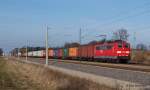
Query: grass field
point(15, 75)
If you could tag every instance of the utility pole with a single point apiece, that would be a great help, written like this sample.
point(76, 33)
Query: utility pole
point(27, 52)
point(18, 53)
point(80, 42)
point(134, 45)
point(134, 40)
point(80, 33)
point(47, 46)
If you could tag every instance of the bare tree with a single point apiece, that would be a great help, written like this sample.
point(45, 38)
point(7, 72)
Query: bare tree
point(141, 46)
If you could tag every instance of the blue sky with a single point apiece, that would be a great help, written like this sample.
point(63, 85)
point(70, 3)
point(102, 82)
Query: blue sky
point(26, 20)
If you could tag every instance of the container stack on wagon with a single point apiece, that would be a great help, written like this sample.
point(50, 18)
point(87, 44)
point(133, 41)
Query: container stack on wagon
point(73, 53)
point(51, 53)
point(41, 53)
point(65, 53)
point(30, 54)
point(55, 53)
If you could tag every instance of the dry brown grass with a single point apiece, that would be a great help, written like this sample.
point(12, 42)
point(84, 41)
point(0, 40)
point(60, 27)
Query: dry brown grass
point(54, 80)
point(141, 57)
point(34, 77)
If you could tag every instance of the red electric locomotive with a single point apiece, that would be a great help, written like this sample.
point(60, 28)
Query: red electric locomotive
point(118, 51)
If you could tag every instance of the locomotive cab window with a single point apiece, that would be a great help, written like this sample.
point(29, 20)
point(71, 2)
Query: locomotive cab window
point(120, 45)
point(126, 45)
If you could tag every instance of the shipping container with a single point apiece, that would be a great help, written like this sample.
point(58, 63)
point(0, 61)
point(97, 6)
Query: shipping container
point(40, 53)
point(60, 52)
point(73, 52)
point(44, 53)
point(30, 54)
point(56, 53)
point(35, 53)
point(65, 53)
point(51, 53)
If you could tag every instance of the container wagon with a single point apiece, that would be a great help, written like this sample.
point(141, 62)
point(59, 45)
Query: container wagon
point(73, 53)
point(55, 53)
point(50, 53)
point(60, 53)
point(86, 52)
point(65, 53)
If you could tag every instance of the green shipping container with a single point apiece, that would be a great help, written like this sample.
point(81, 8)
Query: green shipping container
point(65, 53)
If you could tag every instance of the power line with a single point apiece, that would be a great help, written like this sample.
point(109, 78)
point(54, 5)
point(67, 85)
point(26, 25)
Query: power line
point(118, 17)
point(144, 28)
point(135, 8)
point(131, 16)
point(122, 19)
point(113, 21)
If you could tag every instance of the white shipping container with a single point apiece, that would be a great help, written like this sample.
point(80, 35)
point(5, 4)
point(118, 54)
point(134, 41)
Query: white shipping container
point(40, 53)
point(35, 53)
point(30, 54)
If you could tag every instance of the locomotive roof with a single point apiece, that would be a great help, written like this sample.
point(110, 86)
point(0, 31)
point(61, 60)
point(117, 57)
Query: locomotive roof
point(110, 41)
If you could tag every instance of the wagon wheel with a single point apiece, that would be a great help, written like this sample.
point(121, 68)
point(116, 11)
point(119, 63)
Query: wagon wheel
point(118, 61)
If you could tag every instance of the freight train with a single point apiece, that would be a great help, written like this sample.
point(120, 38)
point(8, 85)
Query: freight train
point(112, 51)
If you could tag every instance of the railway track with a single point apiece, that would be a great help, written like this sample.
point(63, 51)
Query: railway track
point(133, 67)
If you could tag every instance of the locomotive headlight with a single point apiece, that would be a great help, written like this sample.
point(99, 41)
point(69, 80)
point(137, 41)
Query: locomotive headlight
point(127, 52)
point(118, 51)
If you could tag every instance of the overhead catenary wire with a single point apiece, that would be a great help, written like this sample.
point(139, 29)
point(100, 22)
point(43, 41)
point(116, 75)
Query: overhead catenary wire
point(128, 12)
point(118, 18)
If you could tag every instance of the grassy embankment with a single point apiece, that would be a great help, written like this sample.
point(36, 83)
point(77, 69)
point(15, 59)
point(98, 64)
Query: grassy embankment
point(20, 76)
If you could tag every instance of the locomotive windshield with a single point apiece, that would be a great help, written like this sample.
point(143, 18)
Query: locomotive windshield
point(120, 44)
point(127, 45)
